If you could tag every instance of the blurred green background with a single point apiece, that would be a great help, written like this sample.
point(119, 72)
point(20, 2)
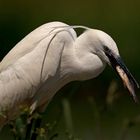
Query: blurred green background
point(98, 109)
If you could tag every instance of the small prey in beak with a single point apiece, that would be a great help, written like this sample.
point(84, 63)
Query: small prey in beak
point(127, 82)
point(127, 78)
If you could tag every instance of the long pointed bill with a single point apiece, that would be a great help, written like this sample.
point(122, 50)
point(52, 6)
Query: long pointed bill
point(127, 78)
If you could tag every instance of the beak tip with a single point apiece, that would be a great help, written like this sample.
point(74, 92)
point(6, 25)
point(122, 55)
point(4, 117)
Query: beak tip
point(135, 99)
point(132, 92)
point(138, 86)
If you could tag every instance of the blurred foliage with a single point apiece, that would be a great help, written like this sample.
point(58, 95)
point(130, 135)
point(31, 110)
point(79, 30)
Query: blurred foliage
point(96, 109)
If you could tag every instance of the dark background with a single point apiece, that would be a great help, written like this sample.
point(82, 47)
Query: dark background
point(98, 109)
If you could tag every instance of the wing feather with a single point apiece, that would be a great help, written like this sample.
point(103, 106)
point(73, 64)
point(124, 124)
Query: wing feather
point(31, 62)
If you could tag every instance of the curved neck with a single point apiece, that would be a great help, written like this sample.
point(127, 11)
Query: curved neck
point(80, 61)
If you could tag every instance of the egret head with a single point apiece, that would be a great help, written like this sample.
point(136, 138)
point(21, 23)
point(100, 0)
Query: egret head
point(103, 44)
point(107, 50)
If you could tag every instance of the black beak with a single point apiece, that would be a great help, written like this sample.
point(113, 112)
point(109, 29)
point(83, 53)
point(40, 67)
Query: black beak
point(127, 78)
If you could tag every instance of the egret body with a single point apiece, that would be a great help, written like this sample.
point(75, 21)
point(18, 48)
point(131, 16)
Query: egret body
point(50, 57)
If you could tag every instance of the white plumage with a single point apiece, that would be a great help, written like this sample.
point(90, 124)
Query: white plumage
point(47, 59)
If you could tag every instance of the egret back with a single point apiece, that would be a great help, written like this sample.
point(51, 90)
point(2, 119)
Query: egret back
point(30, 42)
point(24, 69)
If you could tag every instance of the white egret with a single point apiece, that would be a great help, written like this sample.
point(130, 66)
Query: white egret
point(50, 57)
